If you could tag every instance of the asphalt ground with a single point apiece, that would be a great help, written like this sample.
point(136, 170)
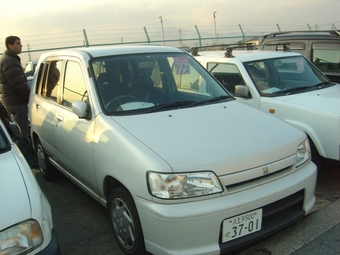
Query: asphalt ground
point(319, 232)
point(83, 226)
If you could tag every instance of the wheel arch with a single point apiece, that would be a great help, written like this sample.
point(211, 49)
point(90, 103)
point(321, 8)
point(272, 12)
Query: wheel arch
point(110, 183)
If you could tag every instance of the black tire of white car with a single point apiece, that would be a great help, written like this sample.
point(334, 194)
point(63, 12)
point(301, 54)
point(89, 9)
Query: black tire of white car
point(47, 171)
point(316, 158)
point(125, 222)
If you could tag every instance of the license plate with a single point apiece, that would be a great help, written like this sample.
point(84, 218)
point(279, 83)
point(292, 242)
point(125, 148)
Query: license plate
point(241, 225)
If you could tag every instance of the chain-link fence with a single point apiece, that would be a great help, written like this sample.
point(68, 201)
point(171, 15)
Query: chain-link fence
point(184, 37)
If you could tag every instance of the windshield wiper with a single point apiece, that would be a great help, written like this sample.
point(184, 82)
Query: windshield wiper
point(171, 105)
point(188, 103)
point(319, 86)
point(291, 91)
point(213, 100)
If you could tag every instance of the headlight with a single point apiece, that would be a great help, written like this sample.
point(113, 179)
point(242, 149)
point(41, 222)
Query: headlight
point(183, 185)
point(303, 153)
point(19, 238)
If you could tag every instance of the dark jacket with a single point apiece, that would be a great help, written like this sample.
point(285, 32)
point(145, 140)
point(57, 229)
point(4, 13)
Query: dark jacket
point(14, 89)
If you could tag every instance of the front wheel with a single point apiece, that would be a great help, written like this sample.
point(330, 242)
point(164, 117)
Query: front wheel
point(46, 169)
point(316, 158)
point(125, 222)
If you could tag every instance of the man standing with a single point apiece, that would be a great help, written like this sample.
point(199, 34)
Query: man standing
point(14, 93)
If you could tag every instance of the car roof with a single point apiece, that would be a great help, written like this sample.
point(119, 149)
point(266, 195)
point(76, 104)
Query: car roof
point(308, 35)
point(248, 55)
point(100, 51)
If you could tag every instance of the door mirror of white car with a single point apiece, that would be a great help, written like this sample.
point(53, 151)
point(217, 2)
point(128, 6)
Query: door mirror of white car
point(242, 91)
point(15, 130)
point(80, 108)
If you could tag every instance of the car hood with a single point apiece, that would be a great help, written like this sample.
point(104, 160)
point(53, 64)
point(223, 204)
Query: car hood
point(324, 100)
point(14, 199)
point(224, 137)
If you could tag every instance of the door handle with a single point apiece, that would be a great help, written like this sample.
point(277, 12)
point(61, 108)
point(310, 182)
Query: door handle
point(60, 118)
point(37, 106)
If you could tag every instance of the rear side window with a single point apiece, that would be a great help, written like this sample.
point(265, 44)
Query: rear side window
point(326, 56)
point(49, 79)
point(227, 74)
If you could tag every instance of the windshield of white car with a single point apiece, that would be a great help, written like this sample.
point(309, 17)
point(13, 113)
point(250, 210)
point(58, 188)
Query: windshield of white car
point(285, 75)
point(131, 84)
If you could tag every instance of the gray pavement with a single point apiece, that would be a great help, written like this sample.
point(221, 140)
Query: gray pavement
point(83, 225)
point(318, 233)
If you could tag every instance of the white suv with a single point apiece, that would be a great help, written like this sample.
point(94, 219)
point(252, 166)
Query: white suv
point(182, 167)
point(286, 85)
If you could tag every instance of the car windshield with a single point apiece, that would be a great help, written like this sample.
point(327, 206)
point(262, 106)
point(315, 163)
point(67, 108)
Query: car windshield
point(153, 82)
point(286, 75)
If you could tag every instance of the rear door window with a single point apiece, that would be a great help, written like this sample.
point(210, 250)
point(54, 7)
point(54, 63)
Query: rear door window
point(326, 56)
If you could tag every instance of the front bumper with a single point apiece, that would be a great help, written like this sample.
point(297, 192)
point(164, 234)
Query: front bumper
point(52, 248)
point(195, 227)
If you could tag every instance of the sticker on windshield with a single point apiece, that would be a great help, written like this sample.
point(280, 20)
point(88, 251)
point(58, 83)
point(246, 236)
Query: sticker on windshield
point(182, 65)
point(299, 65)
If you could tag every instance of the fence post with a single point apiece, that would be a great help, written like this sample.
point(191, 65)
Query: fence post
point(146, 34)
point(199, 37)
point(29, 52)
point(243, 36)
point(309, 27)
point(86, 41)
point(278, 27)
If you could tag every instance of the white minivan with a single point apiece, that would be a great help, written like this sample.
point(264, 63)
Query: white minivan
point(182, 167)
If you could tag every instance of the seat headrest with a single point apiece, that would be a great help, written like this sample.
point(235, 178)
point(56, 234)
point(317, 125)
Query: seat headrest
point(142, 82)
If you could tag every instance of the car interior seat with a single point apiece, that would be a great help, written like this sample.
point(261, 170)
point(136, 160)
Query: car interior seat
point(143, 88)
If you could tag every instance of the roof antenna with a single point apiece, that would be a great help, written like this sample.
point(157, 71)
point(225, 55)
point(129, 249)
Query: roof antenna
point(228, 53)
point(194, 51)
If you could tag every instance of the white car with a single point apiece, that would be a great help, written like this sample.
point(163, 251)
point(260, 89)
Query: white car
point(286, 85)
point(26, 221)
point(181, 170)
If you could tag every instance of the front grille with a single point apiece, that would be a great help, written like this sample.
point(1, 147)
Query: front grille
point(263, 178)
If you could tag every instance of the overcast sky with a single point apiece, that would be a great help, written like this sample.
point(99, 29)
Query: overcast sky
point(36, 17)
point(45, 24)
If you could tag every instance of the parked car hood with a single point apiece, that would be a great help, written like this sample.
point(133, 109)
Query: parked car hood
point(14, 199)
point(323, 100)
point(215, 137)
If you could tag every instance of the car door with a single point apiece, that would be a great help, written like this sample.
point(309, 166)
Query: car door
point(44, 105)
point(74, 135)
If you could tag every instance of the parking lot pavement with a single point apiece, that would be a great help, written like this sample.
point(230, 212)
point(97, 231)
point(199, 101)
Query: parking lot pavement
point(316, 234)
point(83, 226)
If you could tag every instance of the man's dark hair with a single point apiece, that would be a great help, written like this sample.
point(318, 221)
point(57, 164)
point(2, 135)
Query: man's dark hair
point(11, 40)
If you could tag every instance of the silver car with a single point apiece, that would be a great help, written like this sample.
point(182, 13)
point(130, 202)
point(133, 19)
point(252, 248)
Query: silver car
point(182, 167)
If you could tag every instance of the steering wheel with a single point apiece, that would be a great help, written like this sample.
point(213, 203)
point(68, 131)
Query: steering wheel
point(117, 101)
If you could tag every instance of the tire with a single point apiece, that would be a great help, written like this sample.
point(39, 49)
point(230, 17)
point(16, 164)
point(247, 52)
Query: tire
point(47, 171)
point(125, 222)
point(316, 158)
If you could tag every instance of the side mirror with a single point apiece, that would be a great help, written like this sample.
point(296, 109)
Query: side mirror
point(80, 108)
point(241, 91)
point(14, 130)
